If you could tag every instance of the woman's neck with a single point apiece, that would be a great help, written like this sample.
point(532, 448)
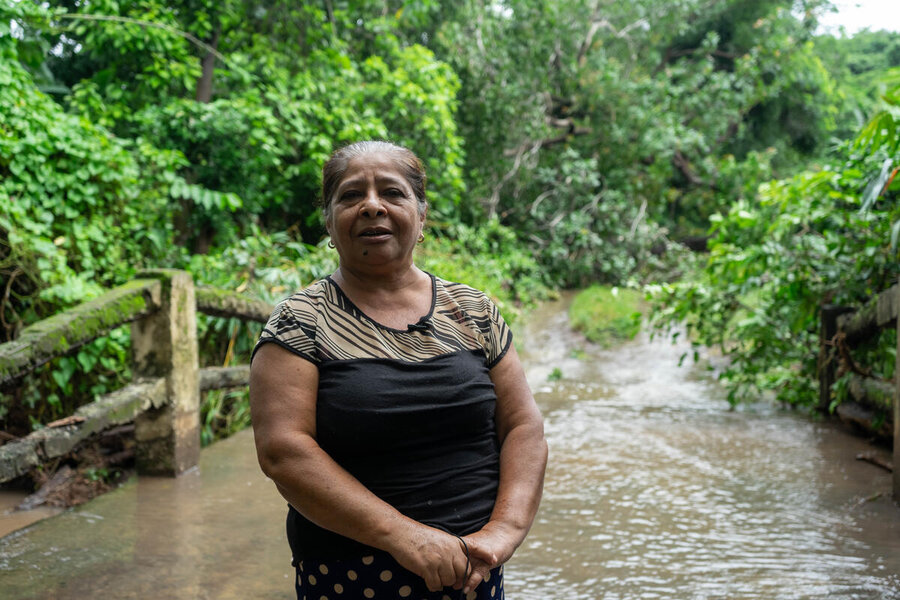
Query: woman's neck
point(394, 301)
point(368, 281)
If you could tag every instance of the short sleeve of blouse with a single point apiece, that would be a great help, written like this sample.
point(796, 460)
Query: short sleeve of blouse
point(498, 334)
point(293, 327)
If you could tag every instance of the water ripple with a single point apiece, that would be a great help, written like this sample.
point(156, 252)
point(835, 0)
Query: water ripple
point(656, 489)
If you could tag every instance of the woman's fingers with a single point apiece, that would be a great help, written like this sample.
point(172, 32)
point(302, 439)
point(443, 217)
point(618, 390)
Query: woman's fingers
point(436, 568)
point(481, 551)
point(449, 576)
point(461, 565)
point(432, 580)
point(480, 571)
point(442, 570)
point(482, 559)
point(434, 555)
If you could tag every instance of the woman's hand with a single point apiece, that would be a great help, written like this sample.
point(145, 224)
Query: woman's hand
point(436, 556)
point(489, 548)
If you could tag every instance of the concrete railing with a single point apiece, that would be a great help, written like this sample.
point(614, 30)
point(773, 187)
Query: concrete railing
point(163, 400)
point(872, 403)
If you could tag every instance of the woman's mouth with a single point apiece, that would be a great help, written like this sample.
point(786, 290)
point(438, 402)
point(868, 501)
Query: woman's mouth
point(375, 234)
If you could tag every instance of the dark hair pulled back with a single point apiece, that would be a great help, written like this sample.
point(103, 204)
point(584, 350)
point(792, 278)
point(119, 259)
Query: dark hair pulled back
point(336, 166)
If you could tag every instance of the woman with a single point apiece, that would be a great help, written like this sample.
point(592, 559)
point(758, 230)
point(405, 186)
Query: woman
point(391, 409)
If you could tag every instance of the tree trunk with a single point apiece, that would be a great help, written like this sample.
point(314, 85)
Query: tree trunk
point(208, 66)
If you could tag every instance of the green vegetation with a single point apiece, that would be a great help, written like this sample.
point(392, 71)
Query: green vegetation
point(827, 235)
point(567, 143)
point(607, 315)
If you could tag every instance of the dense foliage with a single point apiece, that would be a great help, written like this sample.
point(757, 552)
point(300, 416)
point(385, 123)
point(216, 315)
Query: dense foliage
point(859, 64)
point(594, 129)
point(827, 235)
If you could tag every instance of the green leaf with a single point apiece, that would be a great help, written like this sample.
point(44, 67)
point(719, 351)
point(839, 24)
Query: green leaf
point(63, 373)
point(876, 185)
point(87, 360)
point(895, 235)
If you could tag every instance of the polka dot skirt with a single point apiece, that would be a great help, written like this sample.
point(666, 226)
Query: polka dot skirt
point(379, 576)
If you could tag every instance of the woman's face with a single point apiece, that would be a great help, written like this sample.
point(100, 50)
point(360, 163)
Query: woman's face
point(375, 220)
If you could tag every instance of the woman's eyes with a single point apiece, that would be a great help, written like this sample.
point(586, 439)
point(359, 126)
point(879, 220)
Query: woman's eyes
point(350, 194)
point(389, 193)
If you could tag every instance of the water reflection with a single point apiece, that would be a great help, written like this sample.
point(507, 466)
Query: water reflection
point(216, 532)
point(655, 489)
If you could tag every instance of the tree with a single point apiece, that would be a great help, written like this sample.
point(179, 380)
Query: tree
point(828, 235)
point(668, 108)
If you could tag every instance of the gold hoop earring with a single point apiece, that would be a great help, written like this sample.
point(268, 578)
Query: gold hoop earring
point(330, 244)
point(421, 237)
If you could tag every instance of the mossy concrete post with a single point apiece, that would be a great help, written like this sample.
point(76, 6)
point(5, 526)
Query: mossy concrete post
point(165, 345)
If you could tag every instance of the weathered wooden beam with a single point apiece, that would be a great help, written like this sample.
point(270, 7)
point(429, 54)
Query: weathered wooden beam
point(60, 334)
point(874, 393)
point(879, 312)
point(226, 303)
point(868, 419)
point(111, 410)
point(216, 378)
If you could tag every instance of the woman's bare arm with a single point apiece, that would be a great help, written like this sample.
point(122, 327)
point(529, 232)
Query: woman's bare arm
point(523, 459)
point(283, 389)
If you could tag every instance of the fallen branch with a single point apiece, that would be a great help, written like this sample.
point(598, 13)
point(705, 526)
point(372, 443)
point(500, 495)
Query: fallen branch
point(65, 421)
point(871, 457)
point(59, 480)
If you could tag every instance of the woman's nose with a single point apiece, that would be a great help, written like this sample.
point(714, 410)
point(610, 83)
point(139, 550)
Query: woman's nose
point(372, 206)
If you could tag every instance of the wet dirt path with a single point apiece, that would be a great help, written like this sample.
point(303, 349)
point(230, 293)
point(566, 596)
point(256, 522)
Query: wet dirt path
point(655, 490)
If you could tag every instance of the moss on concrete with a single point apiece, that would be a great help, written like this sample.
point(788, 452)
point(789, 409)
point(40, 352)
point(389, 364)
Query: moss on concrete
point(66, 331)
point(165, 345)
point(216, 378)
point(226, 303)
point(117, 408)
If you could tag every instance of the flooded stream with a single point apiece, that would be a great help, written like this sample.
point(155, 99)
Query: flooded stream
point(655, 490)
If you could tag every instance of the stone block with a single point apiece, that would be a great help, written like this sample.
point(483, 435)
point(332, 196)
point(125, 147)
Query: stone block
point(17, 458)
point(165, 345)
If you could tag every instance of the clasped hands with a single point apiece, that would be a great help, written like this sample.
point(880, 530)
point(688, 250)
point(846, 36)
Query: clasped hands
point(440, 558)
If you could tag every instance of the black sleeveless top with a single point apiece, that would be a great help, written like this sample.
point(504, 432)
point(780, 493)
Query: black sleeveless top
point(408, 412)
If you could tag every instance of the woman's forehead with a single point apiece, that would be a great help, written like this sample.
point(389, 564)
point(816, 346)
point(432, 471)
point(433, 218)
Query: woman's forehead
point(380, 164)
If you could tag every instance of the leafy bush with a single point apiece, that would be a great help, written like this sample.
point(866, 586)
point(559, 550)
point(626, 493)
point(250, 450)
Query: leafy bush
point(825, 236)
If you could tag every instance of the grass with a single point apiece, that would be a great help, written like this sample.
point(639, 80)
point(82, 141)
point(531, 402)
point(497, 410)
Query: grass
point(607, 315)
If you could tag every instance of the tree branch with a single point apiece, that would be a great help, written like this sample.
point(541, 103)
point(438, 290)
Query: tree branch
point(117, 19)
point(684, 166)
point(547, 142)
point(604, 24)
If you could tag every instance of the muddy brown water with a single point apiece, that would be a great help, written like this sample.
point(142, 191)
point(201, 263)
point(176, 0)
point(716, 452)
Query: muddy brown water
point(655, 489)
